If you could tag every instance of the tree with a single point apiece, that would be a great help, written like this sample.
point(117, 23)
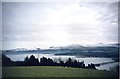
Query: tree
point(6, 61)
point(62, 63)
point(43, 61)
point(75, 63)
point(68, 62)
point(33, 61)
point(91, 66)
point(26, 58)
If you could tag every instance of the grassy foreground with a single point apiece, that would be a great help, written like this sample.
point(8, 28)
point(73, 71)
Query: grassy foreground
point(49, 71)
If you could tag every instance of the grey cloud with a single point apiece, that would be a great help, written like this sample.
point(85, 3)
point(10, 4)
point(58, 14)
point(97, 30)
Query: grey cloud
point(22, 22)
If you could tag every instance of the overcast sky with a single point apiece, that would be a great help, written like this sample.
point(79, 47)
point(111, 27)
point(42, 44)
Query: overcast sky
point(45, 24)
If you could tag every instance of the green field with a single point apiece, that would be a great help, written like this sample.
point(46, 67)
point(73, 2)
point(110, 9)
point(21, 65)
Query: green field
point(49, 71)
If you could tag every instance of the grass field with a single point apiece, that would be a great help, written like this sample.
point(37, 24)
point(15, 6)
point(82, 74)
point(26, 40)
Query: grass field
point(49, 71)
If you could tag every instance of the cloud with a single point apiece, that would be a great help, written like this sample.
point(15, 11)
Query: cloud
point(48, 23)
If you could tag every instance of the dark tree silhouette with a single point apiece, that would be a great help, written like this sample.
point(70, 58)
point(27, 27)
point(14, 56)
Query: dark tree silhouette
point(6, 61)
point(68, 62)
point(26, 58)
point(62, 63)
point(91, 66)
point(75, 63)
point(43, 61)
point(32, 61)
point(26, 61)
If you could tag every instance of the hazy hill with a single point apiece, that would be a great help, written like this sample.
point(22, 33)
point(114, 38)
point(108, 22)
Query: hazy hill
point(99, 50)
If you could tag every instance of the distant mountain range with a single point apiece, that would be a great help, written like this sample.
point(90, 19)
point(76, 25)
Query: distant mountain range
point(99, 50)
point(77, 46)
point(72, 46)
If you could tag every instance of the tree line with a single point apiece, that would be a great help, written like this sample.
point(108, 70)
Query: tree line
point(32, 61)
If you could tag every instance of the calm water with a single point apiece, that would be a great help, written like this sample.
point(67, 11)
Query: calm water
point(87, 60)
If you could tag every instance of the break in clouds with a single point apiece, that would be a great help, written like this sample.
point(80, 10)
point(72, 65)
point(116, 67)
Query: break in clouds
point(45, 24)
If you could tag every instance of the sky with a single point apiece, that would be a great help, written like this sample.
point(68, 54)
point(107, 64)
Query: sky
point(45, 24)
